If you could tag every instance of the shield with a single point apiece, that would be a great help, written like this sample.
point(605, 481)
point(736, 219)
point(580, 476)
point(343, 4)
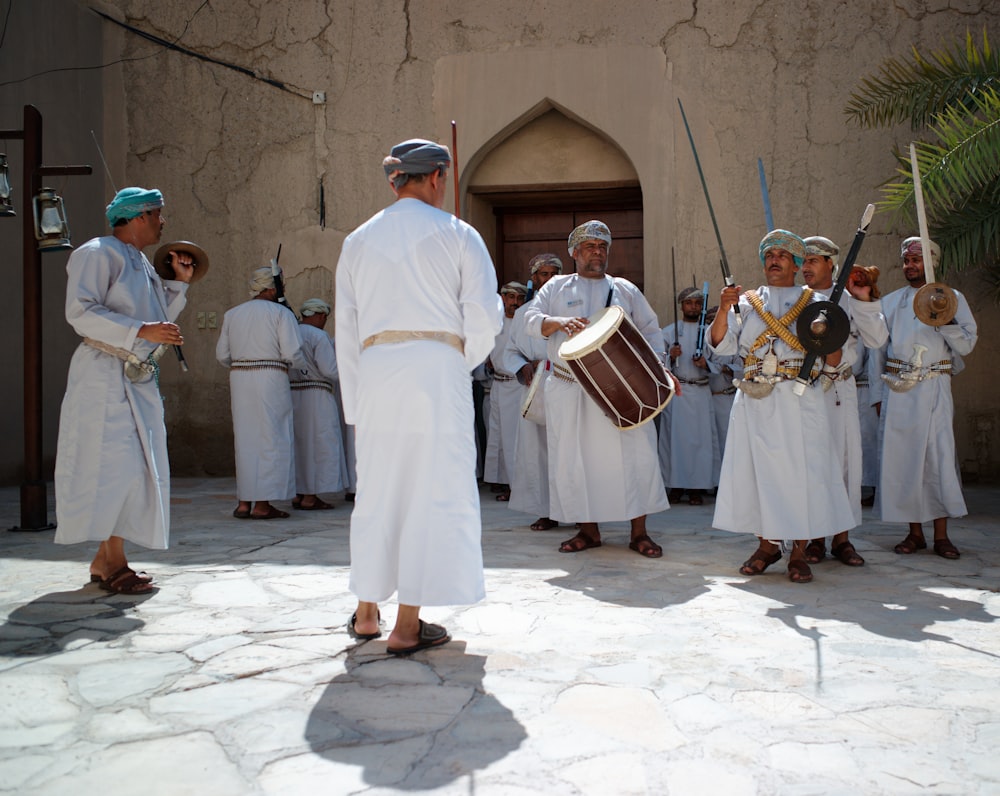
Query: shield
point(935, 304)
point(822, 327)
point(162, 260)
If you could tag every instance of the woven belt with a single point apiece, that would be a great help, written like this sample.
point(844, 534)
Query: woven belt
point(727, 391)
point(562, 373)
point(693, 382)
point(898, 367)
point(259, 364)
point(383, 338)
point(861, 381)
point(312, 385)
point(501, 377)
point(787, 369)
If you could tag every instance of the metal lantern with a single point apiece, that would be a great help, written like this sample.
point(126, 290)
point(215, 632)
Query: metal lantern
point(6, 208)
point(51, 226)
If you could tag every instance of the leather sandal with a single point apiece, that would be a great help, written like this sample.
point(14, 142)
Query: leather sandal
point(945, 549)
point(846, 554)
point(762, 558)
point(910, 545)
point(816, 551)
point(799, 572)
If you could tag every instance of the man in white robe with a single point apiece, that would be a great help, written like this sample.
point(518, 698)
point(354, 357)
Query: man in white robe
point(867, 328)
point(689, 442)
point(778, 481)
point(259, 342)
point(868, 421)
point(416, 311)
point(505, 402)
point(320, 465)
point(597, 472)
point(722, 372)
point(112, 476)
point(919, 477)
point(530, 479)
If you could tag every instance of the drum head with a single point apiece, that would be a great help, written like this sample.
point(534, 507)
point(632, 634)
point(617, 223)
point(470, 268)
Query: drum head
point(822, 328)
point(935, 304)
point(601, 324)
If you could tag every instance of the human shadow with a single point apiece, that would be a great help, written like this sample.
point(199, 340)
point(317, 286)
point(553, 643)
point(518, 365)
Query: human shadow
point(48, 624)
point(415, 723)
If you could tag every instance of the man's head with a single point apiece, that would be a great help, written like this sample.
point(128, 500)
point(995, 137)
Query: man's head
point(262, 284)
point(513, 295)
point(782, 254)
point(135, 216)
point(543, 267)
point(589, 245)
point(691, 302)
point(821, 261)
point(315, 312)
point(912, 252)
point(418, 168)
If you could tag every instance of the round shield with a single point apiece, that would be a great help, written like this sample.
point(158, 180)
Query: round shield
point(822, 328)
point(162, 260)
point(935, 304)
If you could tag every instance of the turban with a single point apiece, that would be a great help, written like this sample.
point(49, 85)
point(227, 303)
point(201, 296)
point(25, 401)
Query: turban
point(514, 287)
point(539, 260)
point(824, 247)
point(314, 306)
point(589, 230)
point(131, 202)
point(914, 246)
point(415, 156)
point(262, 279)
point(783, 239)
point(690, 293)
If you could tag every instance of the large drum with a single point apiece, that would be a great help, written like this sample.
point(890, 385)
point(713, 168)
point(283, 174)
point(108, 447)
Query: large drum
point(533, 405)
point(618, 370)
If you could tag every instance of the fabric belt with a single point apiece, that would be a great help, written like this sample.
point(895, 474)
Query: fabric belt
point(694, 382)
point(562, 373)
point(259, 364)
point(898, 367)
point(311, 385)
point(861, 381)
point(382, 338)
point(787, 369)
point(147, 366)
point(501, 377)
point(727, 391)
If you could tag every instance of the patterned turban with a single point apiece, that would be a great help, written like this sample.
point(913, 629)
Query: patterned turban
point(589, 230)
point(514, 287)
point(262, 279)
point(314, 306)
point(132, 202)
point(913, 246)
point(783, 239)
point(824, 247)
point(539, 260)
point(690, 293)
point(416, 156)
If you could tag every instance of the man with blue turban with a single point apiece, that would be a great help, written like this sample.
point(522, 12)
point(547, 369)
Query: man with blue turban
point(416, 311)
point(112, 476)
point(780, 479)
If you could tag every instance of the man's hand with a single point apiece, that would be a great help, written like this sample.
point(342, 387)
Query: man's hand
point(163, 333)
point(527, 373)
point(183, 264)
point(701, 362)
point(571, 326)
point(676, 351)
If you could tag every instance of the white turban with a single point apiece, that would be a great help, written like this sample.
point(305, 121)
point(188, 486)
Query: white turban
point(589, 230)
point(314, 306)
point(262, 279)
point(914, 246)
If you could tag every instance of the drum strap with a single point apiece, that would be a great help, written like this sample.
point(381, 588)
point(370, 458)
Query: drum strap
point(778, 326)
point(611, 292)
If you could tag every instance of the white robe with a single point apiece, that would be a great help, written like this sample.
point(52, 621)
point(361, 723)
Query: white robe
point(776, 480)
point(505, 404)
point(261, 401)
point(529, 483)
point(867, 420)
point(597, 472)
point(416, 526)
point(688, 441)
point(320, 465)
point(112, 477)
point(723, 395)
point(919, 476)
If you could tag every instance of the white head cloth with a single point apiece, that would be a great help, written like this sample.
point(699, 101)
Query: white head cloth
point(314, 306)
point(261, 280)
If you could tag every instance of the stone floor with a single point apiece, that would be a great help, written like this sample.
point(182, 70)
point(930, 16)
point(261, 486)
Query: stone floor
point(594, 673)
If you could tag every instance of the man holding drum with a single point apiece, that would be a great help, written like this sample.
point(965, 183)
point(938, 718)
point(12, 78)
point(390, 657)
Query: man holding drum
point(597, 472)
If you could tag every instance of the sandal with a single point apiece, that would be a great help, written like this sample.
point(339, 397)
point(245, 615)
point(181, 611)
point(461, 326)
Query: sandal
point(363, 636)
point(125, 581)
point(241, 515)
point(695, 498)
point(503, 497)
point(816, 551)
point(272, 514)
point(910, 545)
point(319, 505)
point(845, 554)
point(142, 575)
point(646, 547)
point(799, 572)
point(579, 543)
point(945, 549)
point(764, 559)
point(544, 524)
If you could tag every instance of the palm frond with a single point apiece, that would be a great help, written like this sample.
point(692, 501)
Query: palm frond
point(923, 88)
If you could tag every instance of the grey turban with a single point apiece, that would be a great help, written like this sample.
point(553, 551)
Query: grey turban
point(589, 230)
point(416, 156)
point(539, 260)
point(824, 247)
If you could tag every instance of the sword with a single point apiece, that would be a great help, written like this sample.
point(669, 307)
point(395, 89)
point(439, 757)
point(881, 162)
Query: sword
point(673, 273)
point(768, 218)
point(727, 276)
point(925, 236)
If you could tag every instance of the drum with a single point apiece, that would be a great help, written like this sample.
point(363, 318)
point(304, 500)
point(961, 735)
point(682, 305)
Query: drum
point(618, 369)
point(533, 406)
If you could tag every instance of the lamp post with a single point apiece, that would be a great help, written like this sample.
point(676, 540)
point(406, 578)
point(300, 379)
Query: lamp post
point(34, 503)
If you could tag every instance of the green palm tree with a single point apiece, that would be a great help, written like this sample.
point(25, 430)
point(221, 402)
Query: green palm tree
point(954, 97)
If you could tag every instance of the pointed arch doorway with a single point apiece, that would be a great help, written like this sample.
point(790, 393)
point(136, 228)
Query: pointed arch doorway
point(527, 195)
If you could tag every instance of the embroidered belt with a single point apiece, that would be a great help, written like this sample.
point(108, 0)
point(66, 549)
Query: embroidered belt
point(899, 367)
point(501, 377)
point(259, 364)
point(861, 381)
point(311, 385)
point(727, 391)
point(137, 368)
point(694, 382)
point(562, 373)
point(383, 338)
point(787, 369)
